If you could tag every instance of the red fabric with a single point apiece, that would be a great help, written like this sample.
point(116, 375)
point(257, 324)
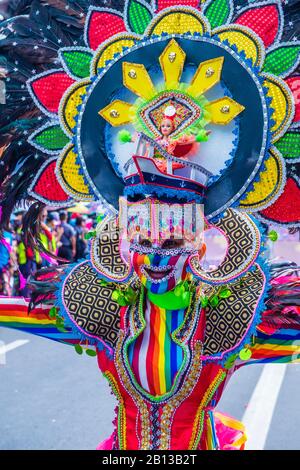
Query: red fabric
point(103, 25)
point(184, 418)
point(182, 425)
point(287, 207)
point(294, 85)
point(48, 186)
point(106, 364)
point(264, 21)
point(162, 4)
point(49, 89)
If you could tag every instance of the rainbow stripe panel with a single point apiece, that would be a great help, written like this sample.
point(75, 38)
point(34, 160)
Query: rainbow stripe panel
point(154, 357)
point(281, 347)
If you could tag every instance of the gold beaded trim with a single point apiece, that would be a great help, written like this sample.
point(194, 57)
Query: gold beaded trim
point(246, 42)
point(68, 105)
point(68, 175)
point(111, 47)
point(282, 103)
point(270, 185)
point(178, 20)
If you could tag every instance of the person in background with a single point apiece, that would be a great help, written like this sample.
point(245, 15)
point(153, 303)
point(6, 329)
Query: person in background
point(47, 240)
point(6, 263)
point(67, 239)
point(28, 259)
point(81, 243)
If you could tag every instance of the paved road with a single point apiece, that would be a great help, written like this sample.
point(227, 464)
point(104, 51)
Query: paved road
point(51, 398)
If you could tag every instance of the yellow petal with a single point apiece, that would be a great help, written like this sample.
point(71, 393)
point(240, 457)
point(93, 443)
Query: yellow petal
point(117, 113)
point(245, 40)
point(68, 106)
point(180, 21)
point(172, 62)
point(282, 103)
point(206, 76)
point(269, 186)
point(136, 79)
point(108, 50)
point(223, 110)
point(67, 171)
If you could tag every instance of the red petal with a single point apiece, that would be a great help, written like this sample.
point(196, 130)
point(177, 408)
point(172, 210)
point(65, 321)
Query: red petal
point(286, 208)
point(102, 25)
point(294, 84)
point(264, 21)
point(162, 4)
point(48, 186)
point(50, 88)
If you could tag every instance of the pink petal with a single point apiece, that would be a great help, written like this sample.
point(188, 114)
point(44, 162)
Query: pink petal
point(49, 89)
point(48, 186)
point(102, 25)
point(294, 84)
point(162, 4)
point(263, 20)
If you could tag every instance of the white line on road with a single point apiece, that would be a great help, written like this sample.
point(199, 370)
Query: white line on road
point(258, 416)
point(4, 348)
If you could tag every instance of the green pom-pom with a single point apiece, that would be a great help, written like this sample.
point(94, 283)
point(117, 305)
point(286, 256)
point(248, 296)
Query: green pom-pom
point(201, 136)
point(225, 293)
point(124, 136)
point(273, 236)
point(214, 301)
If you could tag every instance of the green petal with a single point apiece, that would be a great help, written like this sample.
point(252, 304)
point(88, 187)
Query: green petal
point(138, 16)
point(289, 145)
point(282, 60)
point(52, 312)
point(51, 138)
point(77, 62)
point(91, 352)
point(214, 301)
point(225, 293)
point(78, 349)
point(217, 12)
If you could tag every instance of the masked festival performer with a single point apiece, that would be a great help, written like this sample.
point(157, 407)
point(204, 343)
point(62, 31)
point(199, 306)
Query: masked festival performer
point(168, 333)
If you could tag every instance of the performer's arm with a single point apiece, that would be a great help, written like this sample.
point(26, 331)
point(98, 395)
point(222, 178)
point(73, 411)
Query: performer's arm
point(14, 314)
point(282, 345)
point(277, 337)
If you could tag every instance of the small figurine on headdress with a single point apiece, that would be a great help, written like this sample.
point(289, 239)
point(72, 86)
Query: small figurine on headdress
point(182, 147)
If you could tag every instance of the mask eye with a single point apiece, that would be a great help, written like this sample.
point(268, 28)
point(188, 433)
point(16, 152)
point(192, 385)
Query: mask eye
point(145, 242)
point(172, 243)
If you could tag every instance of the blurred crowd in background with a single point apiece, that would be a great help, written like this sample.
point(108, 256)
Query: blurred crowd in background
point(63, 234)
